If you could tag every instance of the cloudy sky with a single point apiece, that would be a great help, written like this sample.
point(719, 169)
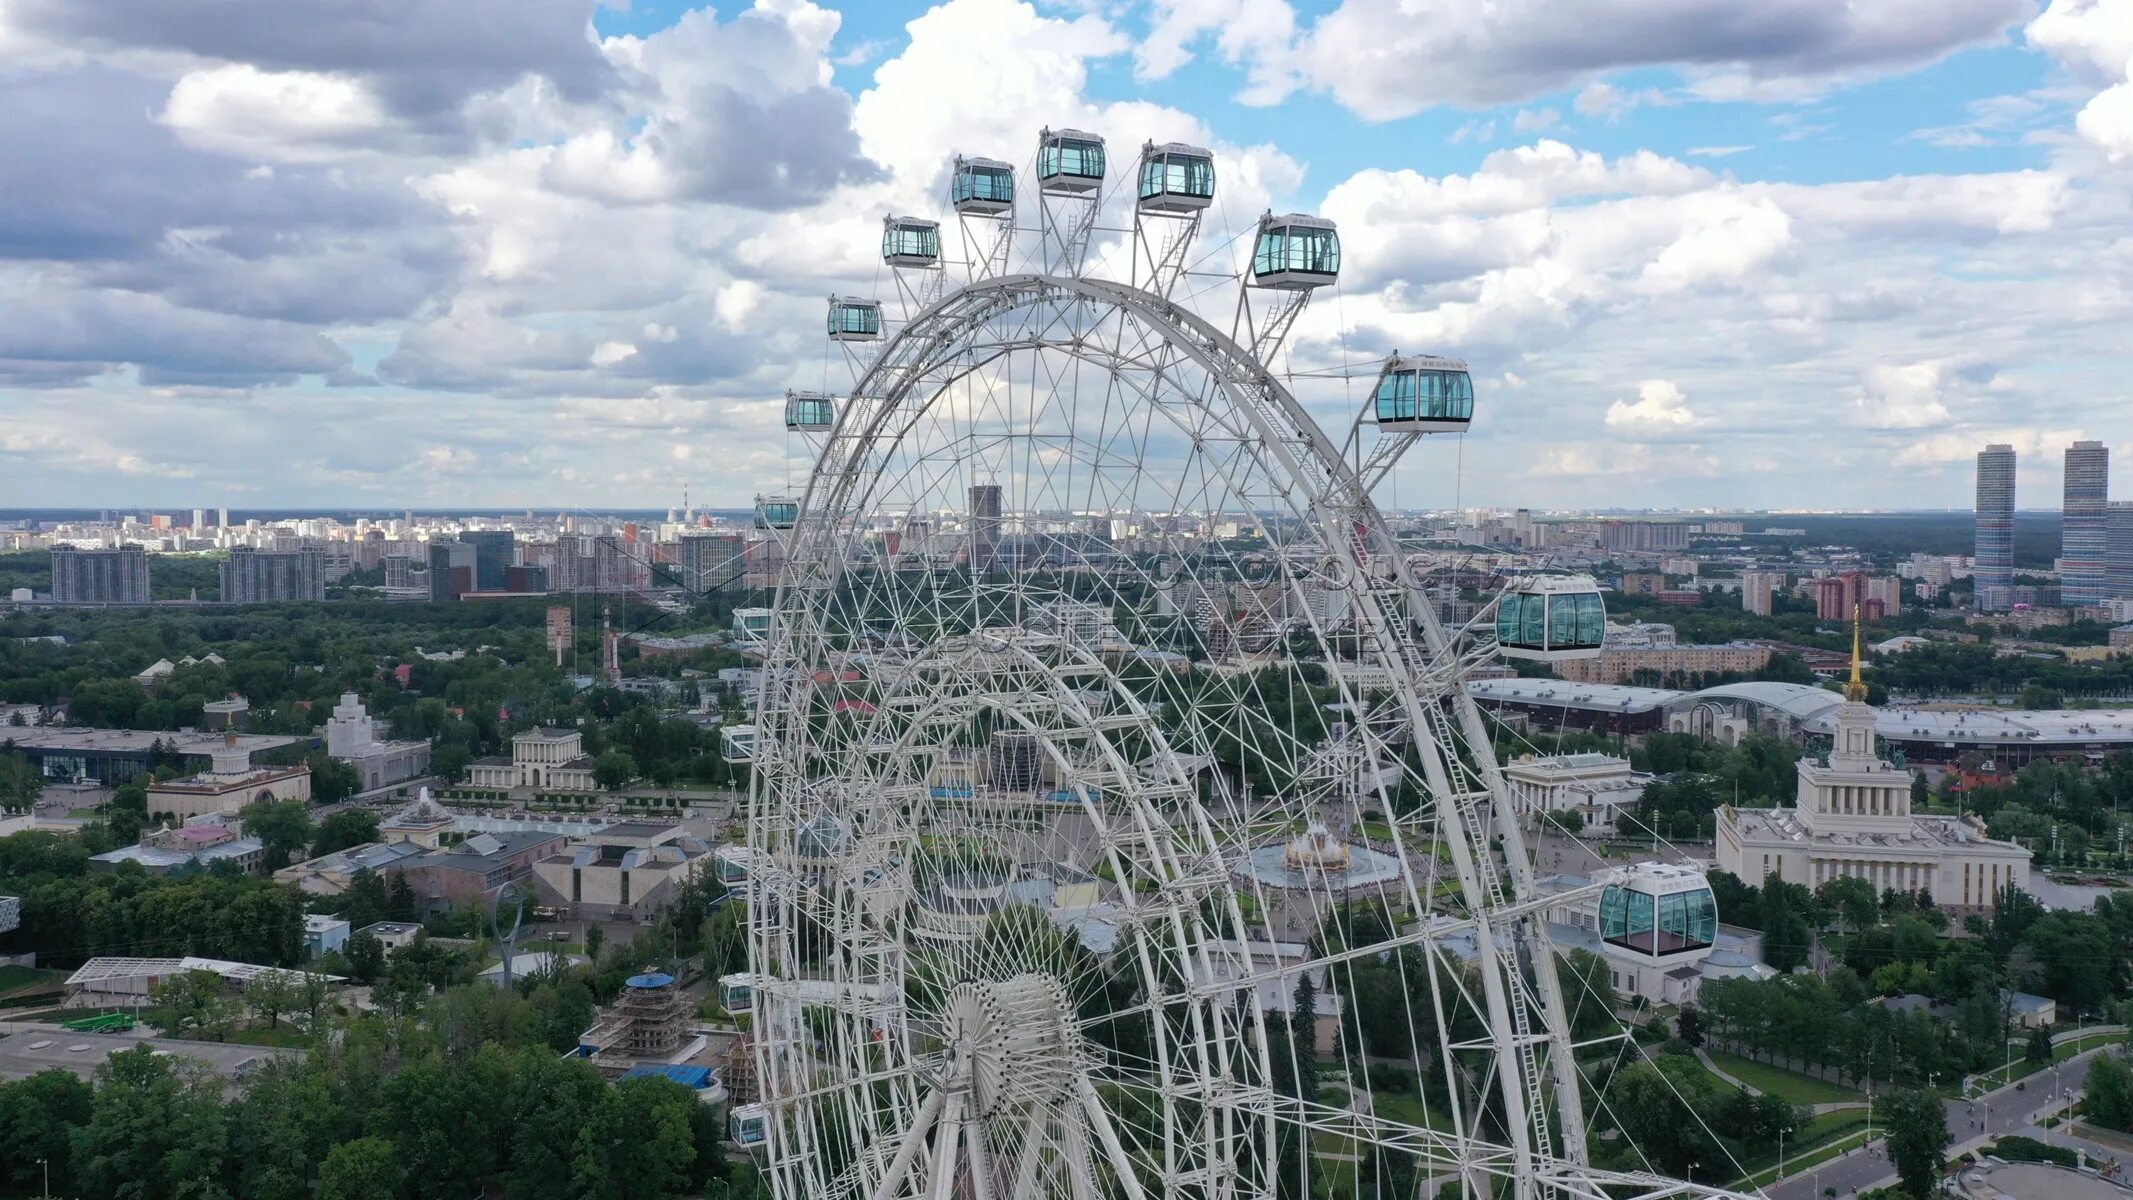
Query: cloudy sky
point(571, 252)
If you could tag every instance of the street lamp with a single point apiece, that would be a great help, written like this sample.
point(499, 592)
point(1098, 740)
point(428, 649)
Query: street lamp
point(46, 1164)
point(1781, 1154)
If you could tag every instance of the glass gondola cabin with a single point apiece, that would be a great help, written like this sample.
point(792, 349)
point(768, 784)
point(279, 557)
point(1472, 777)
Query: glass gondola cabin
point(910, 241)
point(854, 320)
point(982, 187)
point(1296, 252)
point(1551, 618)
point(809, 412)
point(1069, 161)
point(776, 512)
point(1658, 911)
point(1423, 394)
point(1176, 178)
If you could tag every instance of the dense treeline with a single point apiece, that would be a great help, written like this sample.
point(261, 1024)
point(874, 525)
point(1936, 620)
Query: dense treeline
point(1962, 668)
point(1896, 944)
point(293, 663)
point(469, 1099)
point(69, 914)
point(2061, 810)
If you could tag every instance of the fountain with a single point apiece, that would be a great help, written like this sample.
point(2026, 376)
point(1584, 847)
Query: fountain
point(1317, 859)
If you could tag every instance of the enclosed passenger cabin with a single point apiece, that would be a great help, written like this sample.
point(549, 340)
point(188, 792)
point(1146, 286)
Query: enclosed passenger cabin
point(910, 241)
point(1069, 162)
point(1551, 618)
point(776, 512)
point(736, 993)
point(982, 187)
point(749, 1124)
point(1423, 394)
point(809, 412)
point(1296, 252)
point(854, 320)
point(1659, 910)
point(1176, 178)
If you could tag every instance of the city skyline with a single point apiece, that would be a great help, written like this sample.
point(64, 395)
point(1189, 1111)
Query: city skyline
point(1710, 262)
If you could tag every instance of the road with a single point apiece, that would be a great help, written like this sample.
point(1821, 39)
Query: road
point(2015, 1108)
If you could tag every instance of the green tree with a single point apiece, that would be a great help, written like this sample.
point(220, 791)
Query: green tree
point(271, 994)
point(1689, 1025)
point(2109, 1098)
point(639, 1145)
point(366, 957)
point(367, 1168)
point(158, 1132)
point(343, 829)
point(450, 759)
point(614, 769)
point(38, 1117)
point(1853, 900)
point(194, 1004)
point(1587, 994)
point(1918, 1140)
point(20, 783)
point(281, 825)
point(2039, 1047)
point(331, 779)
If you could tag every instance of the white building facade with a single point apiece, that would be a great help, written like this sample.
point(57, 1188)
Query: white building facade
point(1853, 819)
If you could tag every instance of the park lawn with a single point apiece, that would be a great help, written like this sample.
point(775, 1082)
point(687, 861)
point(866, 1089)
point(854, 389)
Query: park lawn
point(1406, 1108)
point(281, 1035)
point(13, 977)
point(1776, 1081)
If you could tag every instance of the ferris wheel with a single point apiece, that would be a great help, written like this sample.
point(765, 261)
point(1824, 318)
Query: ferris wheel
point(1119, 823)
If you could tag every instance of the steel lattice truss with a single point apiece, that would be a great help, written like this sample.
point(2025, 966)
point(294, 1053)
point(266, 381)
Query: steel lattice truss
point(1104, 730)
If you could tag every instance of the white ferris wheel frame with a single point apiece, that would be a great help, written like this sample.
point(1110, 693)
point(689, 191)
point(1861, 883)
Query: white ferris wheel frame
point(949, 334)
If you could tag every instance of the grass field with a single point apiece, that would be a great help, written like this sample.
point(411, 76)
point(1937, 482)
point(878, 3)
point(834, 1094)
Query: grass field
point(13, 977)
point(1775, 1081)
point(283, 1035)
point(1406, 1108)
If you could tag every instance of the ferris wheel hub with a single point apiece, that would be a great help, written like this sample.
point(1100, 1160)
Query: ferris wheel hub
point(1011, 1043)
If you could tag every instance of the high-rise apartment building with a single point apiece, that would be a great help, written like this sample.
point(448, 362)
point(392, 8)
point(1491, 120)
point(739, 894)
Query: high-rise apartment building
point(494, 551)
point(1994, 569)
point(1837, 595)
point(2118, 551)
point(1757, 590)
point(984, 524)
point(2082, 531)
point(99, 576)
point(451, 571)
point(711, 561)
point(1887, 590)
point(269, 576)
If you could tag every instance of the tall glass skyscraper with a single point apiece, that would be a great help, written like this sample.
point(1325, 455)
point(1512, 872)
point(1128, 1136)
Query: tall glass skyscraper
point(2118, 551)
point(1994, 569)
point(2083, 535)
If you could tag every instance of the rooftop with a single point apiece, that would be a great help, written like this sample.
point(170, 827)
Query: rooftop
point(1926, 833)
point(1592, 697)
point(149, 856)
point(139, 741)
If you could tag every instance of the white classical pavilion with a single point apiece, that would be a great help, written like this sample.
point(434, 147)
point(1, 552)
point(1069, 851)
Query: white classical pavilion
point(1853, 818)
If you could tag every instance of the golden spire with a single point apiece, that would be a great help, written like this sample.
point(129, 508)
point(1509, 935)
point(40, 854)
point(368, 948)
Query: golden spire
point(1856, 690)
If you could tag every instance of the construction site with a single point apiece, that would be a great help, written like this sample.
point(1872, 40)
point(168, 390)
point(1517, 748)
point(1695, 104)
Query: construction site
point(650, 1030)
